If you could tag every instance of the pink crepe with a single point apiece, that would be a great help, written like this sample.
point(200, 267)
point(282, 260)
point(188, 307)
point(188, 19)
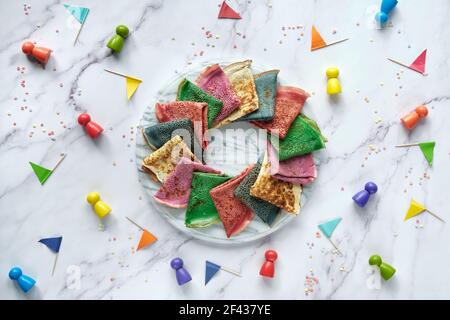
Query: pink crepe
point(214, 81)
point(297, 170)
point(177, 187)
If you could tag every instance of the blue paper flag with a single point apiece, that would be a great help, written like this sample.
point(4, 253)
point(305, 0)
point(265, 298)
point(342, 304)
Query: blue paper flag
point(211, 270)
point(79, 13)
point(52, 243)
point(328, 227)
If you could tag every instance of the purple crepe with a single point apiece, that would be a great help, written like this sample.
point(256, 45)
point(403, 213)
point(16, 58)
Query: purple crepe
point(177, 187)
point(214, 81)
point(296, 170)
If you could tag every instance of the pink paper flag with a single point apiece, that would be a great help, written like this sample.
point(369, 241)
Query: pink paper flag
point(419, 64)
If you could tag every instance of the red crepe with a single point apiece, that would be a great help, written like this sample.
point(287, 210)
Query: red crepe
point(214, 81)
point(197, 112)
point(419, 64)
point(226, 12)
point(234, 214)
point(288, 104)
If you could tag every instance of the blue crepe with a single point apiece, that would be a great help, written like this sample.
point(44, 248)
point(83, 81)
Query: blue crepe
point(266, 88)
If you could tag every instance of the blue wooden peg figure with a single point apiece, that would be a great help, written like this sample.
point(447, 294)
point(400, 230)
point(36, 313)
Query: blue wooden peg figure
point(182, 274)
point(363, 196)
point(25, 282)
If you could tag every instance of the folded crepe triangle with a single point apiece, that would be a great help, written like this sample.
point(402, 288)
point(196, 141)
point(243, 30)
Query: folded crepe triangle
point(234, 214)
point(226, 12)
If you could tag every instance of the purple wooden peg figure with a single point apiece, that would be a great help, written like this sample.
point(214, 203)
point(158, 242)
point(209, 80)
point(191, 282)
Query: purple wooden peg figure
point(363, 196)
point(183, 275)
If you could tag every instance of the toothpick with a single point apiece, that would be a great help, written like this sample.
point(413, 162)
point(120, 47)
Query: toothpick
point(404, 65)
point(337, 249)
point(407, 145)
point(115, 72)
point(59, 162)
point(135, 223)
point(435, 215)
point(231, 271)
point(54, 264)
point(335, 42)
point(78, 34)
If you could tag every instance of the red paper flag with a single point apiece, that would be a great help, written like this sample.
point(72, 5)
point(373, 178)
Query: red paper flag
point(146, 239)
point(226, 12)
point(419, 64)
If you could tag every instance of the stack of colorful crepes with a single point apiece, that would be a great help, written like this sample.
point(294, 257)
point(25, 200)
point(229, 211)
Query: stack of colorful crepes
point(220, 96)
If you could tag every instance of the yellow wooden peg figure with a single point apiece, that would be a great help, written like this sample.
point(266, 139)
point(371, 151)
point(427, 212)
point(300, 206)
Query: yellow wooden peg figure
point(333, 85)
point(100, 207)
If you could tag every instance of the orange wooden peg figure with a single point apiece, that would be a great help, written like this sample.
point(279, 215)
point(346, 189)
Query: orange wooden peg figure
point(414, 117)
point(39, 53)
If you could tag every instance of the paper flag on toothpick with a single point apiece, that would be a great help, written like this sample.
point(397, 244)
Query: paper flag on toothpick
point(52, 243)
point(147, 238)
point(132, 85)
point(43, 173)
point(418, 65)
point(416, 208)
point(80, 14)
point(226, 12)
point(328, 227)
point(428, 151)
point(317, 42)
point(211, 270)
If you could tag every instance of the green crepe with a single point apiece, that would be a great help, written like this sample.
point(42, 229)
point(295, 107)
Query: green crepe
point(201, 211)
point(303, 137)
point(265, 210)
point(187, 91)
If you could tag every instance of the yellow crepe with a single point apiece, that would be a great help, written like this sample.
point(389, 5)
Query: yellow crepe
point(163, 161)
point(243, 84)
point(282, 194)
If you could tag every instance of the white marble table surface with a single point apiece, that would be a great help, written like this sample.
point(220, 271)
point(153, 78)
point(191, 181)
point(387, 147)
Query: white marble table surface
point(38, 111)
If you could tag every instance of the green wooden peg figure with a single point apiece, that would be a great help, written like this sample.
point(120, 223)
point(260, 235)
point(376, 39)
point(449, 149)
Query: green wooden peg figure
point(117, 41)
point(386, 270)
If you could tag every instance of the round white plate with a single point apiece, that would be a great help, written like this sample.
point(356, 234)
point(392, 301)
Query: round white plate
point(231, 148)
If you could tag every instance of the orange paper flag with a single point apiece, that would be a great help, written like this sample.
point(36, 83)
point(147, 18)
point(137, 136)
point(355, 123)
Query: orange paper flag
point(146, 239)
point(317, 41)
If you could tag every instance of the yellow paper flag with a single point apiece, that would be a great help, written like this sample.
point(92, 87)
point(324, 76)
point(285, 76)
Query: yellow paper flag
point(415, 208)
point(132, 84)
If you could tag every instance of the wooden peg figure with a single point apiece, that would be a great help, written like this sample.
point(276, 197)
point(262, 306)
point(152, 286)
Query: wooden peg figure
point(181, 273)
point(363, 196)
point(333, 85)
point(117, 41)
point(412, 119)
point(39, 53)
point(268, 267)
point(93, 128)
point(386, 270)
point(25, 282)
point(100, 207)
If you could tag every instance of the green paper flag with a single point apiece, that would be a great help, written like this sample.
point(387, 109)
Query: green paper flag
point(428, 150)
point(42, 173)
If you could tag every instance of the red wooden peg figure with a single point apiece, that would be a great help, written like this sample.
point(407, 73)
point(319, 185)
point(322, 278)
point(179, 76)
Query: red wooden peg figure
point(93, 128)
point(39, 53)
point(268, 267)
